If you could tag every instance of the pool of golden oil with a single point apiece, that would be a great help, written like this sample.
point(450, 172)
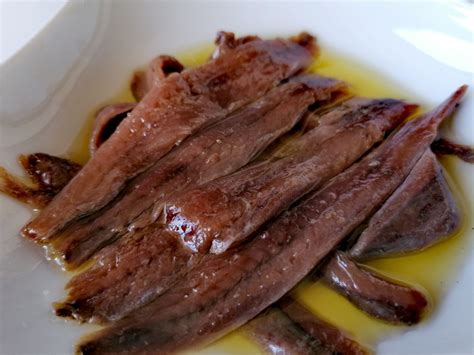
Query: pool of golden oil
point(433, 270)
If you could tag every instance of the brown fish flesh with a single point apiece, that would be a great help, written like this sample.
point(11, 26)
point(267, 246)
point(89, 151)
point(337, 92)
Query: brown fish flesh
point(420, 213)
point(276, 334)
point(171, 111)
point(121, 268)
point(227, 210)
point(48, 174)
point(374, 294)
point(158, 69)
point(225, 291)
point(329, 337)
point(443, 146)
point(216, 151)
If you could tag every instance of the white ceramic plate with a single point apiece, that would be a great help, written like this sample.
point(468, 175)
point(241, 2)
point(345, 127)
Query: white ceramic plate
point(85, 56)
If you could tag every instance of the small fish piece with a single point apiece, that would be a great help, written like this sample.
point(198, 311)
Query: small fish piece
point(174, 109)
point(276, 334)
point(225, 291)
point(216, 151)
point(372, 293)
point(326, 335)
point(420, 213)
point(106, 122)
point(214, 216)
point(226, 41)
point(158, 69)
point(48, 174)
point(442, 146)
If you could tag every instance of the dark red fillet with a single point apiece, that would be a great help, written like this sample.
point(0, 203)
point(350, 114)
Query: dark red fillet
point(158, 69)
point(443, 146)
point(374, 294)
point(276, 334)
point(126, 275)
point(420, 213)
point(106, 122)
point(225, 291)
point(227, 210)
point(326, 335)
point(48, 174)
point(216, 151)
point(171, 111)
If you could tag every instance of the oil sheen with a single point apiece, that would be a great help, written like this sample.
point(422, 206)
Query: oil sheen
point(432, 270)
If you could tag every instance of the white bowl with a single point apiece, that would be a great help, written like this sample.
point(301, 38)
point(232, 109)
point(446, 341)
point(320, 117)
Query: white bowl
point(85, 56)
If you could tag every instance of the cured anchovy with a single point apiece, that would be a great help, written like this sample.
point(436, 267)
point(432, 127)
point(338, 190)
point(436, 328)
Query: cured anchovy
point(329, 337)
point(276, 334)
point(374, 294)
point(126, 275)
point(216, 151)
point(290, 328)
point(48, 174)
point(225, 211)
point(106, 122)
point(444, 146)
point(226, 41)
point(158, 69)
point(171, 111)
point(225, 291)
point(420, 213)
point(120, 272)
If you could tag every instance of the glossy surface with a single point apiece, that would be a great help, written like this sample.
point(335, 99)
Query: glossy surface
point(77, 78)
point(225, 291)
point(173, 110)
point(215, 216)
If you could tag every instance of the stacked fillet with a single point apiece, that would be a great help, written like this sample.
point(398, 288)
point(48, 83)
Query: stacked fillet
point(213, 196)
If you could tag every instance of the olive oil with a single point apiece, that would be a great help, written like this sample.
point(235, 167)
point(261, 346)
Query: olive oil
point(79, 149)
point(432, 270)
